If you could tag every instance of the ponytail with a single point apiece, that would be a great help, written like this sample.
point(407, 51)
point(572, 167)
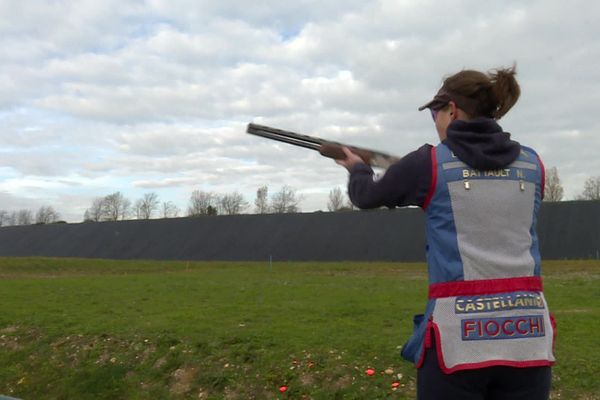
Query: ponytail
point(505, 88)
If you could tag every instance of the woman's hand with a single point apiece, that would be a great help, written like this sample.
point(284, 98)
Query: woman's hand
point(350, 160)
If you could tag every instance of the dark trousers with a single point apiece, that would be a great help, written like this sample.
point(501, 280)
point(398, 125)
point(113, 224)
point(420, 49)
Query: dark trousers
point(491, 383)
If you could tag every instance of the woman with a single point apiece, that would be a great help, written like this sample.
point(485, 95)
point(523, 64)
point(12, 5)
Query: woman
point(486, 332)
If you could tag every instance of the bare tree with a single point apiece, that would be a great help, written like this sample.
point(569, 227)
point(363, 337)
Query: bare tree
point(286, 201)
point(169, 210)
point(232, 204)
point(261, 202)
point(591, 189)
point(202, 203)
point(115, 207)
point(96, 212)
point(3, 217)
point(24, 217)
point(336, 200)
point(137, 209)
point(145, 206)
point(11, 219)
point(46, 215)
point(553, 190)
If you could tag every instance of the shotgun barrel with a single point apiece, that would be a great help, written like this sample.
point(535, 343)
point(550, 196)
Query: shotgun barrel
point(326, 148)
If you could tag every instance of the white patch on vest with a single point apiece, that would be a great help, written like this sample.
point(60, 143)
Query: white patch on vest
point(517, 335)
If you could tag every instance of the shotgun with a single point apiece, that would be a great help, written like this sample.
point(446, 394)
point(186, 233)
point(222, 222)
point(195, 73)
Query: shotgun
point(326, 148)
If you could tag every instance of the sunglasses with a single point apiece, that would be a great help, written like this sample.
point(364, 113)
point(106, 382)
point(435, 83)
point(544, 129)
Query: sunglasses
point(434, 113)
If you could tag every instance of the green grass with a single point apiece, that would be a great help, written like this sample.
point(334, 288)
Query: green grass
point(98, 329)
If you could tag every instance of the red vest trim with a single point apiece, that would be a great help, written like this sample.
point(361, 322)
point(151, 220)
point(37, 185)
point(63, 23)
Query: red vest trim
point(485, 286)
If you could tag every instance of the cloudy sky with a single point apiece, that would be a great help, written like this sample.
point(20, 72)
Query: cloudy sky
point(154, 96)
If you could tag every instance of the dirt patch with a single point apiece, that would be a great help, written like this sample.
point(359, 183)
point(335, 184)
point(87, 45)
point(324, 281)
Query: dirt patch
point(147, 353)
point(202, 395)
point(104, 357)
point(307, 380)
point(342, 382)
point(9, 329)
point(10, 343)
point(182, 380)
point(160, 362)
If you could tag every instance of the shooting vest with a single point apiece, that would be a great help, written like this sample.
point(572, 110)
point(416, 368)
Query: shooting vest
point(486, 306)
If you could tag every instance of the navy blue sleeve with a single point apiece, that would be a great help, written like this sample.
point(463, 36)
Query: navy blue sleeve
point(406, 182)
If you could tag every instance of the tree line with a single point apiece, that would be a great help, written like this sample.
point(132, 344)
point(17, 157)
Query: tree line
point(116, 206)
point(44, 215)
point(554, 191)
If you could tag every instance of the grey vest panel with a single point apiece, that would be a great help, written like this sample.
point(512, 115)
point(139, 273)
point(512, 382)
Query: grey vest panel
point(493, 220)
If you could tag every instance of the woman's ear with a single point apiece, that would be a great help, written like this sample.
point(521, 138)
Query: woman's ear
point(453, 111)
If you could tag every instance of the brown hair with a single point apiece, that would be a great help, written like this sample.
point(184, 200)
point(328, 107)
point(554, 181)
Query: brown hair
point(489, 95)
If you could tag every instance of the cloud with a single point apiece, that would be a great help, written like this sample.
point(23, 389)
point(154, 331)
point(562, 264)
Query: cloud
point(155, 95)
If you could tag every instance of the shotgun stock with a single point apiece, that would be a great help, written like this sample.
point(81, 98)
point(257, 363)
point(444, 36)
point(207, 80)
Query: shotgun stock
point(326, 148)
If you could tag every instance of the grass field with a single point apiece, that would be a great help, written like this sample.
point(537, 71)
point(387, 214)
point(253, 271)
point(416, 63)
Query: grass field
point(97, 329)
